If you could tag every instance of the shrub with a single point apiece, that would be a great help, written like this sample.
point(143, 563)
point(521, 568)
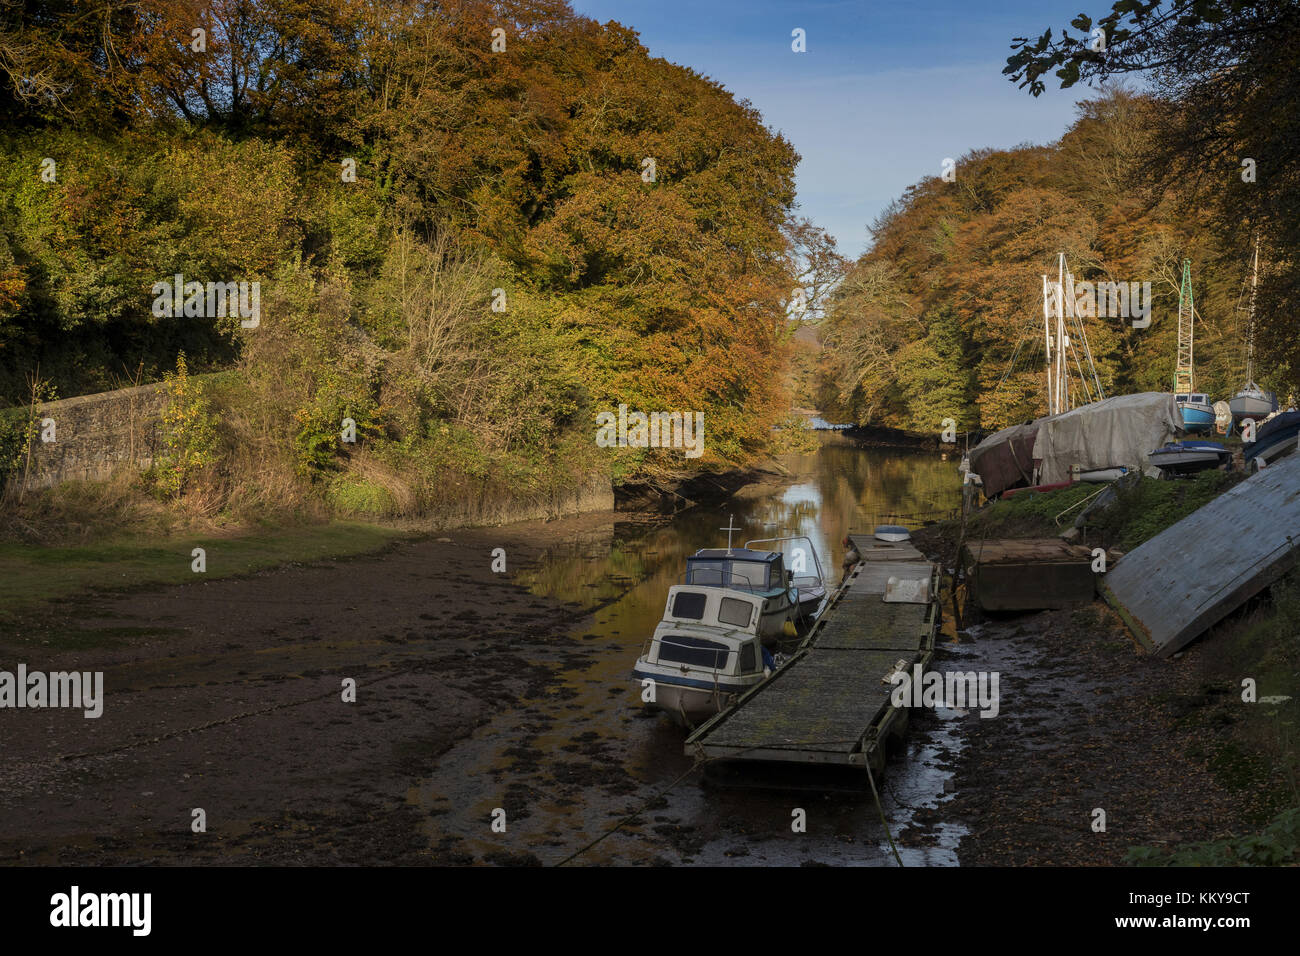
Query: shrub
point(190, 434)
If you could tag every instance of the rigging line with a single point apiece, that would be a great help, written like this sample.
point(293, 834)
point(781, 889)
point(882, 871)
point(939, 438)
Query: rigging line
point(635, 813)
point(1083, 333)
point(1014, 353)
point(1083, 379)
point(700, 761)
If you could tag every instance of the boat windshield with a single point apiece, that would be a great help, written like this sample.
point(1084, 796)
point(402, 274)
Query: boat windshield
point(800, 558)
point(693, 651)
point(731, 573)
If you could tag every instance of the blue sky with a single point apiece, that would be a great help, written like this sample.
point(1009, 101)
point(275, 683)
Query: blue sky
point(884, 93)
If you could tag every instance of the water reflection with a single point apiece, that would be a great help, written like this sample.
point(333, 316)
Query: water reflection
point(839, 489)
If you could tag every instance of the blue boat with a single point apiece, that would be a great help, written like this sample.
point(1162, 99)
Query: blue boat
point(1198, 412)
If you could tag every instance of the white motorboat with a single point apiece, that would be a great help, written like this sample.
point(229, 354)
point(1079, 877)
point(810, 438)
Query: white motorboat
point(723, 623)
point(693, 669)
point(759, 577)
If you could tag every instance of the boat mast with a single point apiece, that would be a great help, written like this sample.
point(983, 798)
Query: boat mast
point(1059, 307)
point(1184, 383)
point(1047, 336)
point(1062, 370)
point(1250, 325)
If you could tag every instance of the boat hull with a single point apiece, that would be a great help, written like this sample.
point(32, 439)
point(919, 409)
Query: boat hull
point(688, 700)
point(1184, 458)
point(1197, 418)
point(1101, 475)
point(1037, 488)
point(1250, 407)
point(1274, 439)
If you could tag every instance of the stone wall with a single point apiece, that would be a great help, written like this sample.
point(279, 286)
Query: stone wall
point(94, 435)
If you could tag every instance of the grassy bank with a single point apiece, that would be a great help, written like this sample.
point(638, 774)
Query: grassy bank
point(1140, 512)
point(31, 575)
point(1251, 748)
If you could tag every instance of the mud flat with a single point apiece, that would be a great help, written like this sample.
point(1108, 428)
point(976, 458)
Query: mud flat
point(226, 696)
point(1087, 721)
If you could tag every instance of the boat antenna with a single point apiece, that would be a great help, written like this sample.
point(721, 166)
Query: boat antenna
point(729, 529)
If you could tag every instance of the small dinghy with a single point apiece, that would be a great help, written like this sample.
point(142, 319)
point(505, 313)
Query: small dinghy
point(1188, 457)
point(892, 532)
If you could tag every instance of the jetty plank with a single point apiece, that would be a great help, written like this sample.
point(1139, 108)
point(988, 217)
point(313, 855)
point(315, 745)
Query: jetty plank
point(831, 703)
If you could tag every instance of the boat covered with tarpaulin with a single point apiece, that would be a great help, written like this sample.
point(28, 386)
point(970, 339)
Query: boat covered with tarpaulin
point(1006, 459)
point(1119, 431)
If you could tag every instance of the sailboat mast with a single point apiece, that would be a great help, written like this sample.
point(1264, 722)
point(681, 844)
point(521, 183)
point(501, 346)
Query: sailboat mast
point(1047, 337)
point(1250, 325)
point(1062, 370)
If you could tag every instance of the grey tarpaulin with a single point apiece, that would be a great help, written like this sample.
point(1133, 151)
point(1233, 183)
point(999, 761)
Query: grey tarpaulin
point(1117, 431)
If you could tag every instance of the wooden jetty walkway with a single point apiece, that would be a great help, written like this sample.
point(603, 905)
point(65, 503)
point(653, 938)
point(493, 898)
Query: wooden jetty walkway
point(830, 704)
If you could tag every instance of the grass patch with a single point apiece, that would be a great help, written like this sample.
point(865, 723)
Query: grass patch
point(94, 638)
point(1277, 845)
point(1141, 511)
point(31, 575)
point(1252, 748)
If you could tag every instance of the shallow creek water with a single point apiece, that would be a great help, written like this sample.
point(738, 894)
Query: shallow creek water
point(586, 755)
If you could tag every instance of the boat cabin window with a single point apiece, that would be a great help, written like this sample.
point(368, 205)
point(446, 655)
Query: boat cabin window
point(1180, 399)
point(724, 573)
point(1200, 400)
point(735, 612)
point(695, 651)
point(748, 659)
point(689, 605)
